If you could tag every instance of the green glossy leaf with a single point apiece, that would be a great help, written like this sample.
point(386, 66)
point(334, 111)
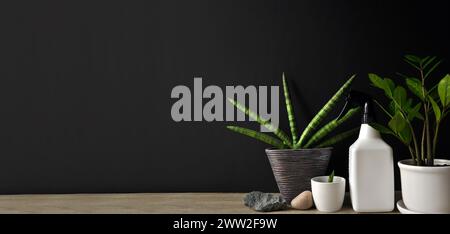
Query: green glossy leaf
point(392, 108)
point(413, 58)
point(428, 62)
point(435, 95)
point(397, 123)
point(400, 96)
point(387, 85)
point(444, 91)
point(415, 86)
point(377, 81)
point(413, 64)
point(382, 129)
point(423, 60)
point(436, 109)
point(409, 103)
point(405, 136)
point(414, 112)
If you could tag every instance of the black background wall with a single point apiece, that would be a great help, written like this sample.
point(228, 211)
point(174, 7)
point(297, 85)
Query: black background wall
point(85, 86)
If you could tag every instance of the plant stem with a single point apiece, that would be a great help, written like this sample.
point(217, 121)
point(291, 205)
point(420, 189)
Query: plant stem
point(429, 156)
point(422, 148)
point(427, 121)
point(415, 143)
point(424, 129)
point(427, 137)
point(416, 147)
point(411, 152)
point(436, 132)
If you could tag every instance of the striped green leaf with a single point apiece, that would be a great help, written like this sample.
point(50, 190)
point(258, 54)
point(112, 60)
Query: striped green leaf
point(340, 137)
point(278, 132)
point(258, 136)
point(315, 122)
point(289, 110)
point(325, 130)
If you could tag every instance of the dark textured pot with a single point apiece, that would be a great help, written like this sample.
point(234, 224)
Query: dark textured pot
point(293, 169)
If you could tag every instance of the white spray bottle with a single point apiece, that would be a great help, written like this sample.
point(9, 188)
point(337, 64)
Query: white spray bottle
point(371, 164)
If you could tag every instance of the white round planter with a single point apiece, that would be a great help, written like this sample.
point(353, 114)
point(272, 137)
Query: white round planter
point(426, 189)
point(328, 197)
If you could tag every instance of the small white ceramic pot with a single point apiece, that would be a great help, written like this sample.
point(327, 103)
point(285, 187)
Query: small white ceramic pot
point(328, 197)
point(426, 189)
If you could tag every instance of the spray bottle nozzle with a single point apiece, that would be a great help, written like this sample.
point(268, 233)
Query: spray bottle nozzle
point(368, 113)
point(355, 99)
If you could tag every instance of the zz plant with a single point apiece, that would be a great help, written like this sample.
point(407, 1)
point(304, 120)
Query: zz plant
point(312, 136)
point(421, 139)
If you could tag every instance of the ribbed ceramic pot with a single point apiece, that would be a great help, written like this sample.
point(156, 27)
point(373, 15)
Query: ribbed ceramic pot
point(293, 169)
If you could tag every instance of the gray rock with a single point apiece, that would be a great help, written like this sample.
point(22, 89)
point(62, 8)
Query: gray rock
point(265, 202)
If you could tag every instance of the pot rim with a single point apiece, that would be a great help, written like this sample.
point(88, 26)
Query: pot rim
point(284, 150)
point(406, 164)
point(341, 180)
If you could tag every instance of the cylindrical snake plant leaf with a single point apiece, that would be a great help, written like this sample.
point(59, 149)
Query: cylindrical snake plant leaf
point(258, 136)
point(325, 130)
point(335, 139)
point(289, 110)
point(315, 122)
point(278, 132)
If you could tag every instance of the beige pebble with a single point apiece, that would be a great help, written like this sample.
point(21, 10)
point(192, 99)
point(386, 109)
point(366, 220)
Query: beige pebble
point(303, 201)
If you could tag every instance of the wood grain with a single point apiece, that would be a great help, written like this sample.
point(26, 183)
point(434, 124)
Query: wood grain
point(136, 203)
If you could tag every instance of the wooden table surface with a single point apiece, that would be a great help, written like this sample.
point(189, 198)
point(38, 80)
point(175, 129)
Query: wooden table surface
point(138, 203)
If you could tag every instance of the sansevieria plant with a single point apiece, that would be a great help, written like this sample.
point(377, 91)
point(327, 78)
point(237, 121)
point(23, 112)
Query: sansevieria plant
point(314, 133)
